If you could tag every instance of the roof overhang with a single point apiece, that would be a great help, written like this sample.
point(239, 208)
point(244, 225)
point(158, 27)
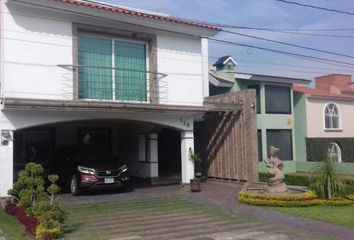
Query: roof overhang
point(271, 79)
point(105, 106)
point(219, 83)
point(74, 11)
point(329, 98)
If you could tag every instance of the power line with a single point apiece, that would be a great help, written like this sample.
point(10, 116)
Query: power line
point(289, 65)
point(316, 7)
point(279, 51)
point(289, 44)
point(285, 31)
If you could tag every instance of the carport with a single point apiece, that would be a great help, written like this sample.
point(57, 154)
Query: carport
point(151, 151)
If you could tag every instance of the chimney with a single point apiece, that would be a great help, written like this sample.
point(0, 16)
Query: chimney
point(333, 83)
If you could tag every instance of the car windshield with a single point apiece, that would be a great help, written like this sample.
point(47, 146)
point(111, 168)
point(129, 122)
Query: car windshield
point(94, 155)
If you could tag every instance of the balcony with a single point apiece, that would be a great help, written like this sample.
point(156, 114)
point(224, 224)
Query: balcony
point(96, 83)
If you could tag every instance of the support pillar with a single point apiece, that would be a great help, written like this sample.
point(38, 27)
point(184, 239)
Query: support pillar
point(152, 154)
point(187, 145)
point(6, 161)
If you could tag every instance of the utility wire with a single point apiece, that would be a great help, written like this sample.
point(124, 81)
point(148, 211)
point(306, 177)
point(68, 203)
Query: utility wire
point(289, 44)
point(279, 51)
point(284, 31)
point(316, 7)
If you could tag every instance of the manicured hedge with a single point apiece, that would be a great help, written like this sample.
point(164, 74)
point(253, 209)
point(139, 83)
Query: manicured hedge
point(317, 148)
point(305, 180)
point(290, 179)
point(290, 200)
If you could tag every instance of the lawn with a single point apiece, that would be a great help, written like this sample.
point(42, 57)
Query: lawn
point(11, 228)
point(343, 216)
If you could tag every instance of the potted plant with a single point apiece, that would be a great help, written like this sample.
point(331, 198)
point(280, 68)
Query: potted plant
point(195, 182)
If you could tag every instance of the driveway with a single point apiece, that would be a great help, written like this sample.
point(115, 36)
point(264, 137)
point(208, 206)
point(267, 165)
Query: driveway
point(173, 212)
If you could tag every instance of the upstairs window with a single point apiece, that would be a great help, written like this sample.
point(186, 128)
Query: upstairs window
point(335, 152)
point(277, 99)
point(331, 116)
point(111, 69)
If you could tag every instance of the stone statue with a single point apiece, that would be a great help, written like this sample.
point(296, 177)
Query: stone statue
point(276, 181)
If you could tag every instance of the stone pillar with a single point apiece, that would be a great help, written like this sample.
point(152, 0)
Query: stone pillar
point(6, 161)
point(187, 145)
point(152, 154)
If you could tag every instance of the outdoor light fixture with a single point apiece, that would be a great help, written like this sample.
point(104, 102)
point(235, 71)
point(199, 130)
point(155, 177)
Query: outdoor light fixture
point(6, 137)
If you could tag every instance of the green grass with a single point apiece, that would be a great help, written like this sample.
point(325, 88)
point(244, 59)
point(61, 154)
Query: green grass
point(343, 216)
point(10, 227)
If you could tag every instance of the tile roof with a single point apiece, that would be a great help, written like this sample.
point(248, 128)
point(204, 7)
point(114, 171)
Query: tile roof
point(127, 11)
point(318, 93)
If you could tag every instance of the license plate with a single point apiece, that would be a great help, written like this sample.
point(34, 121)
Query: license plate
point(108, 180)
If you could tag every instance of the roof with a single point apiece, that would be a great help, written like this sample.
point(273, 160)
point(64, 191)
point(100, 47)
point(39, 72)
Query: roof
point(268, 78)
point(140, 13)
point(223, 60)
point(318, 93)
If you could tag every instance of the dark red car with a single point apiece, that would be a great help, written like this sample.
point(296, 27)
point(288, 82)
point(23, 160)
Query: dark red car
point(89, 168)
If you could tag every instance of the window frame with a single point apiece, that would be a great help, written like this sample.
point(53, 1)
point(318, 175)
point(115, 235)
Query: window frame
point(112, 39)
point(260, 145)
point(291, 142)
point(257, 87)
point(339, 150)
point(289, 112)
point(338, 114)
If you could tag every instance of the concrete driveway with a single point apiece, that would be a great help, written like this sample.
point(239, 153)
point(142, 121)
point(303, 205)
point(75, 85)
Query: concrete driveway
point(173, 212)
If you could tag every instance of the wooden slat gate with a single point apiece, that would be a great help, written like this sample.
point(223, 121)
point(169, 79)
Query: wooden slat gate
point(227, 140)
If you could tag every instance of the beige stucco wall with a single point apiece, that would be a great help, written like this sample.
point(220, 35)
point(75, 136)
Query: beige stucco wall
point(315, 118)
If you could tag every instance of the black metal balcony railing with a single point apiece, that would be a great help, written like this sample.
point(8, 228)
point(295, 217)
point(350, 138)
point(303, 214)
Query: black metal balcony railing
point(116, 84)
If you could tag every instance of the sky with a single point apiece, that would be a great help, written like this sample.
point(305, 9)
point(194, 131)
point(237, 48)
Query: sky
point(269, 14)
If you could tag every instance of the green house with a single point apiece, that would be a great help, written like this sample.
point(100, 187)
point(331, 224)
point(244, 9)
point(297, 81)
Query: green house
point(277, 108)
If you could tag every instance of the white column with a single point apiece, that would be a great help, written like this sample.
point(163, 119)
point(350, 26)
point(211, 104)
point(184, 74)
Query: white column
point(152, 154)
point(6, 163)
point(205, 66)
point(187, 145)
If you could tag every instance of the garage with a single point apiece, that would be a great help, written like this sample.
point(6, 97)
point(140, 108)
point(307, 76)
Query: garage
point(151, 152)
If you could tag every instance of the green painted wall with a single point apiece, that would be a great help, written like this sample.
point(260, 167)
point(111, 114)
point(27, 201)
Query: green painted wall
point(271, 121)
point(300, 126)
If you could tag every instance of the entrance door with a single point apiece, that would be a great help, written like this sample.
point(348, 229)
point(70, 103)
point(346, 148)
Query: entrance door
point(169, 147)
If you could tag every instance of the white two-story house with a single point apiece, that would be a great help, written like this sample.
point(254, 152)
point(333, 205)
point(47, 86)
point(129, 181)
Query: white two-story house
point(77, 71)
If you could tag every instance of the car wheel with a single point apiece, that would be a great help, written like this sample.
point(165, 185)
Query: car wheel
point(74, 186)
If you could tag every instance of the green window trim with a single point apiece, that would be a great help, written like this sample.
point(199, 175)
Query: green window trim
point(111, 69)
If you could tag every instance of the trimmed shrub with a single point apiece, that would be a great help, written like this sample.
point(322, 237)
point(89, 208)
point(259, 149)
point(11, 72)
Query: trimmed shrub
point(10, 209)
point(31, 225)
point(290, 200)
point(21, 215)
point(298, 179)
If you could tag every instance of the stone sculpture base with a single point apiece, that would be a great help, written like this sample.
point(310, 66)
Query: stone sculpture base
point(274, 189)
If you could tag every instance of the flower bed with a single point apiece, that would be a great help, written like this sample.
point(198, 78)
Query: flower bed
point(290, 200)
point(29, 222)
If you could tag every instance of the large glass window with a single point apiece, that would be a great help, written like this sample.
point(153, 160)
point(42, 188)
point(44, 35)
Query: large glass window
point(282, 139)
point(277, 99)
point(258, 93)
point(111, 69)
point(331, 116)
